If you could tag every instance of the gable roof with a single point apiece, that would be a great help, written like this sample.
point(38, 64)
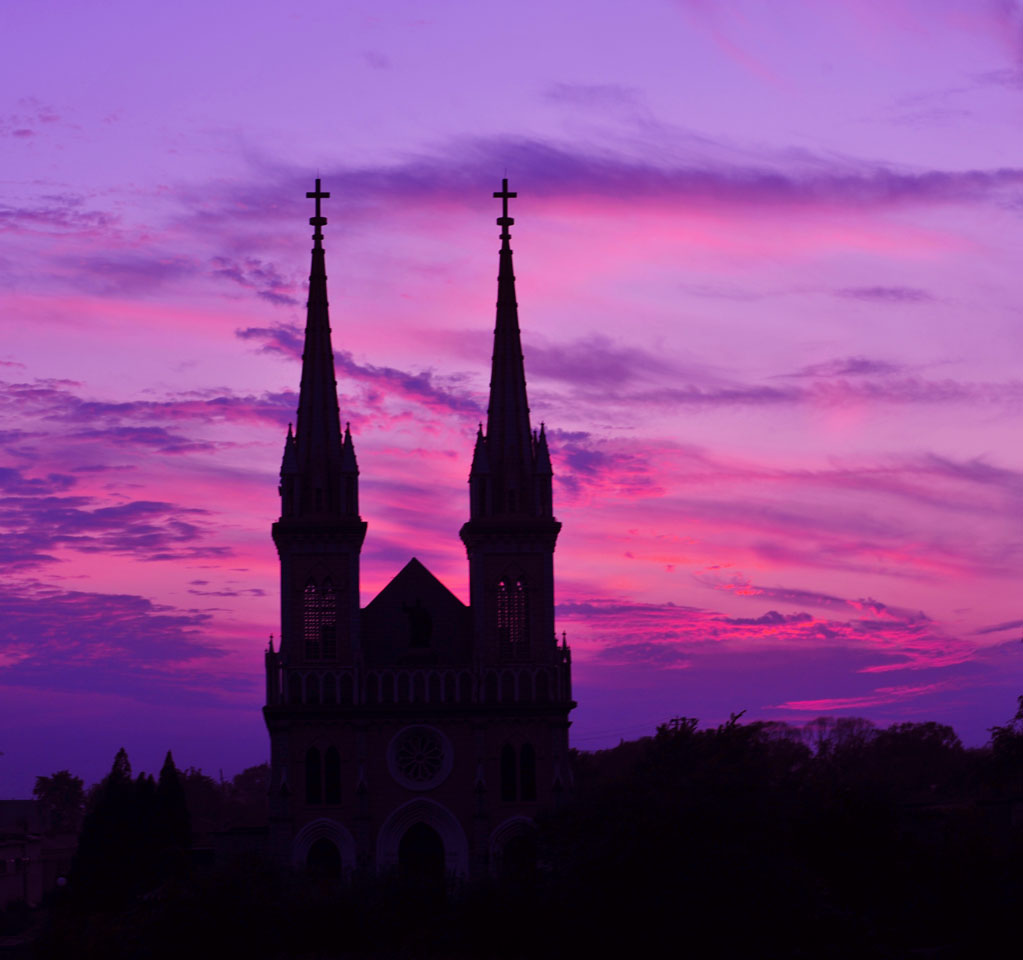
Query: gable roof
point(413, 576)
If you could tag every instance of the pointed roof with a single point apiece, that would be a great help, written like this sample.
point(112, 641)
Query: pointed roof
point(413, 576)
point(543, 454)
point(318, 427)
point(480, 463)
point(348, 462)
point(509, 441)
point(289, 462)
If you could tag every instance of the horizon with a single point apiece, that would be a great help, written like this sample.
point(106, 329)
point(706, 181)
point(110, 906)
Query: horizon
point(767, 269)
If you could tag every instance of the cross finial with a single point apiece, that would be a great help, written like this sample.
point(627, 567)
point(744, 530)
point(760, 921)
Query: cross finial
point(318, 220)
point(504, 220)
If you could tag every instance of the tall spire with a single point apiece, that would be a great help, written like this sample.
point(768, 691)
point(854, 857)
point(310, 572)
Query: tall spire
point(318, 457)
point(511, 531)
point(509, 439)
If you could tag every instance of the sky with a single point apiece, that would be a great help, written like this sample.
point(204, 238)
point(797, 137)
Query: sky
point(768, 262)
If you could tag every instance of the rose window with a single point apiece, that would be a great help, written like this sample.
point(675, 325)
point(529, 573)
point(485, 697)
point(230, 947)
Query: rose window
point(420, 757)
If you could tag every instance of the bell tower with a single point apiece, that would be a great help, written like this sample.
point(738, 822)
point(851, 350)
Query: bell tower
point(320, 533)
point(511, 532)
point(319, 539)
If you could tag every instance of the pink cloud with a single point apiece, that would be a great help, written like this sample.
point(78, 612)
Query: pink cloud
point(882, 696)
point(667, 634)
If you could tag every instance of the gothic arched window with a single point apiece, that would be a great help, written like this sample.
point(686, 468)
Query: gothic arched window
point(313, 777)
point(332, 776)
point(507, 772)
point(319, 621)
point(512, 632)
point(527, 772)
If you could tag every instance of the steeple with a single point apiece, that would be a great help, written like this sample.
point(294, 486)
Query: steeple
point(511, 531)
point(319, 471)
point(319, 535)
point(510, 448)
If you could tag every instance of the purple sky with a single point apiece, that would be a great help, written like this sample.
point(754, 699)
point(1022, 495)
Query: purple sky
point(768, 262)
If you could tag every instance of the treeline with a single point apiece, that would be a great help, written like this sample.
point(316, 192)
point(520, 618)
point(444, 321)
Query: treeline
point(761, 839)
point(212, 804)
point(834, 839)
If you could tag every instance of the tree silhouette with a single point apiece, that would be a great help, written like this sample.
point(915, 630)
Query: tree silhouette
point(135, 835)
point(61, 798)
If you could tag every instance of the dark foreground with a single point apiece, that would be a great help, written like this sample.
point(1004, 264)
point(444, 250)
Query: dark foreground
point(747, 840)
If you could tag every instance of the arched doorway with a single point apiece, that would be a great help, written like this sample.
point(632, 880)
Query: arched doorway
point(324, 860)
point(421, 855)
point(430, 814)
point(335, 834)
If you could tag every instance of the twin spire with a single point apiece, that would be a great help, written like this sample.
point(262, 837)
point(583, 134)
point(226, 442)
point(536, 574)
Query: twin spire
point(319, 468)
point(511, 472)
point(510, 461)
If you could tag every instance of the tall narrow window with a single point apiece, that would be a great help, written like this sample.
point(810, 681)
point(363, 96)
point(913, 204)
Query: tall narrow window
point(319, 621)
point(507, 772)
point(313, 777)
point(511, 613)
point(527, 772)
point(332, 776)
point(328, 621)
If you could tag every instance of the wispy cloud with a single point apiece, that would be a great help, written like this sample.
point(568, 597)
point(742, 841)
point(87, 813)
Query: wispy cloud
point(147, 530)
point(881, 696)
point(1000, 627)
point(886, 294)
point(255, 274)
point(561, 171)
point(445, 393)
point(70, 639)
point(595, 96)
point(56, 213)
point(668, 633)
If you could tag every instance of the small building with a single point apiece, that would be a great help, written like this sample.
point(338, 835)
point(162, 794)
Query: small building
point(32, 860)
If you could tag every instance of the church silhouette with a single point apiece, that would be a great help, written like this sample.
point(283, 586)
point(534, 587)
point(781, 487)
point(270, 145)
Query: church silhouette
point(415, 734)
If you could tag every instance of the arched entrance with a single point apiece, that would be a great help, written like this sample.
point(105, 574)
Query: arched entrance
point(324, 860)
point(421, 855)
point(454, 848)
point(513, 852)
point(317, 845)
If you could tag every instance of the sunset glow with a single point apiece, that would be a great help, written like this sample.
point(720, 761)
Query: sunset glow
point(768, 262)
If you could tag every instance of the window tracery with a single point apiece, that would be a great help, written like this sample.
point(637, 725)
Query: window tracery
point(512, 624)
point(319, 621)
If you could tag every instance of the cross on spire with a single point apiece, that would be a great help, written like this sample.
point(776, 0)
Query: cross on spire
point(318, 220)
point(504, 220)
